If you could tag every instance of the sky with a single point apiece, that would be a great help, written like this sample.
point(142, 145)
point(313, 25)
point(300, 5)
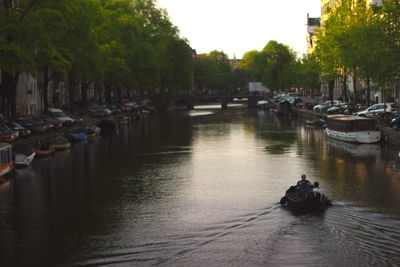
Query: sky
point(239, 26)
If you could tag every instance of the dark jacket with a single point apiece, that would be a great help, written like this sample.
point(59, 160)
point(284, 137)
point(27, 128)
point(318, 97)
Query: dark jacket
point(304, 186)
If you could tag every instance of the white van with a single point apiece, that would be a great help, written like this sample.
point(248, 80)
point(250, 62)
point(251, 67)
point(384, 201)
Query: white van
point(61, 116)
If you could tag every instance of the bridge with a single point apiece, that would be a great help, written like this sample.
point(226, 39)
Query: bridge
point(190, 100)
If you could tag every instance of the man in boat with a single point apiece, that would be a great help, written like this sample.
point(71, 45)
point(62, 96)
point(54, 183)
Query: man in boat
point(304, 186)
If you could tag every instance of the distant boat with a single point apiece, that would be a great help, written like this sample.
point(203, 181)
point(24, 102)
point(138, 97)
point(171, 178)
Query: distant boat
point(352, 129)
point(60, 143)
point(122, 119)
point(92, 132)
point(43, 149)
point(76, 137)
point(24, 154)
point(107, 125)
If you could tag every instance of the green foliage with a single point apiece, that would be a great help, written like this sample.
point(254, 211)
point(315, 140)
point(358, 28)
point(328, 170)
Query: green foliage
point(275, 66)
point(363, 40)
point(213, 72)
point(121, 43)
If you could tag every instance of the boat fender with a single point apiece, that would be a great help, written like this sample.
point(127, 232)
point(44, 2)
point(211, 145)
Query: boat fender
point(283, 201)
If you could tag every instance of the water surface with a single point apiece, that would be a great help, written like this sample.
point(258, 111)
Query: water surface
point(202, 188)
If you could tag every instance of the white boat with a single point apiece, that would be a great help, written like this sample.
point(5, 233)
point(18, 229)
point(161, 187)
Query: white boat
point(24, 154)
point(6, 159)
point(352, 129)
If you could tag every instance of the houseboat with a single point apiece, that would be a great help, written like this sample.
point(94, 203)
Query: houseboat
point(352, 129)
point(6, 159)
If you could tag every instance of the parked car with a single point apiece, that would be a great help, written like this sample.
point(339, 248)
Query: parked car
point(265, 104)
point(22, 131)
point(322, 107)
point(341, 108)
point(61, 116)
point(131, 105)
point(378, 109)
point(99, 111)
point(42, 121)
point(6, 134)
point(55, 123)
point(114, 109)
point(34, 125)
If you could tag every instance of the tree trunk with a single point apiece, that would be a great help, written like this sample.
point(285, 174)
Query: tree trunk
point(108, 93)
point(368, 92)
point(84, 95)
point(8, 89)
point(71, 89)
point(46, 80)
point(331, 85)
point(355, 87)
point(13, 96)
point(345, 86)
point(119, 94)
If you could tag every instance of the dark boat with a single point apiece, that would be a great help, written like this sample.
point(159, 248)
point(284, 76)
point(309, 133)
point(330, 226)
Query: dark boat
point(107, 125)
point(76, 137)
point(299, 203)
point(284, 108)
point(60, 143)
point(24, 154)
point(44, 149)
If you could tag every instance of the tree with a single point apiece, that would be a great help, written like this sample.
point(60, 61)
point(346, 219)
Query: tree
point(310, 73)
point(20, 27)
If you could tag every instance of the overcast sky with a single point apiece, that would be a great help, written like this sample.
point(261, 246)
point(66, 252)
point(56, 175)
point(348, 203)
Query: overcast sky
point(238, 26)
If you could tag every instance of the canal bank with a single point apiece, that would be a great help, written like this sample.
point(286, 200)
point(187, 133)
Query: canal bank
point(84, 123)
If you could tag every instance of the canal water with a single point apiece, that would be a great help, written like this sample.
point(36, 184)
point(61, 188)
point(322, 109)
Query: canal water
point(201, 188)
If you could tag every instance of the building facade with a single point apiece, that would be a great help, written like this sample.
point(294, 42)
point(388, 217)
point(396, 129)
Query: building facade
point(352, 85)
point(312, 26)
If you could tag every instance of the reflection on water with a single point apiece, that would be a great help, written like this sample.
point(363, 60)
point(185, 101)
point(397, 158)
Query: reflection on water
point(184, 190)
point(200, 113)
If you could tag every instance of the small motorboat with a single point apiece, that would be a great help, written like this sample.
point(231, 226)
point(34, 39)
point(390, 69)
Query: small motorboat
point(24, 154)
point(300, 203)
point(91, 133)
point(44, 149)
point(93, 128)
point(122, 119)
point(76, 137)
point(108, 125)
point(60, 143)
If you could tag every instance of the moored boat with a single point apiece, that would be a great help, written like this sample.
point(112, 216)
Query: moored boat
point(43, 149)
point(122, 119)
point(352, 129)
point(107, 125)
point(24, 154)
point(76, 137)
point(60, 143)
point(6, 159)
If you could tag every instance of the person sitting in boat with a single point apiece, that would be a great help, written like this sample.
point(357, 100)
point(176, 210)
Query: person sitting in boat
point(304, 186)
point(318, 192)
